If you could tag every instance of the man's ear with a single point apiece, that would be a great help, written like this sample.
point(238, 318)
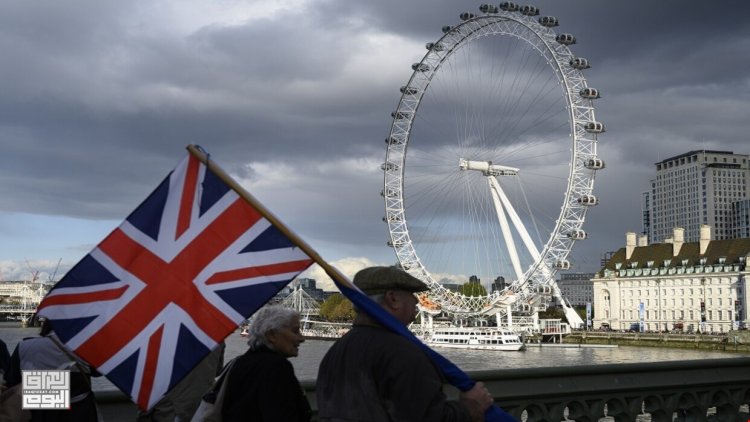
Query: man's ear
point(390, 299)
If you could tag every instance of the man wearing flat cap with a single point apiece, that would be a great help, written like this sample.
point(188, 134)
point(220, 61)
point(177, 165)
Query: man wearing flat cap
point(374, 374)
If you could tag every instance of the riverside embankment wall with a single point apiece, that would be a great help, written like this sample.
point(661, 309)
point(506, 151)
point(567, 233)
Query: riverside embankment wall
point(734, 341)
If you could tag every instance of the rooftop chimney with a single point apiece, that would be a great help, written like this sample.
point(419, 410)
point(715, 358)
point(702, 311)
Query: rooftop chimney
point(629, 244)
point(679, 239)
point(705, 238)
point(643, 240)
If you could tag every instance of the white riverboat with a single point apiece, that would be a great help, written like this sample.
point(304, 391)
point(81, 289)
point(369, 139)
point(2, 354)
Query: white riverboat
point(482, 338)
point(323, 330)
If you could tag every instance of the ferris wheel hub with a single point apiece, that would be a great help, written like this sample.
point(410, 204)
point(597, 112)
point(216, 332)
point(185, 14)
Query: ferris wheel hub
point(487, 168)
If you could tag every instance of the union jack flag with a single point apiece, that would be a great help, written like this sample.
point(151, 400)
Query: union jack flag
point(190, 264)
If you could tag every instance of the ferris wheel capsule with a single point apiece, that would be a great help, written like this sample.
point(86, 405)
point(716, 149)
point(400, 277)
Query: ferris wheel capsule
point(545, 289)
point(509, 6)
point(549, 21)
point(594, 164)
point(401, 115)
point(392, 140)
point(589, 93)
point(447, 28)
point(588, 200)
point(389, 193)
point(466, 16)
point(420, 67)
point(408, 90)
point(434, 46)
point(577, 234)
point(594, 127)
point(566, 39)
point(562, 264)
point(488, 8)
point(389, 166)
point(579, 63)
point(530, 10)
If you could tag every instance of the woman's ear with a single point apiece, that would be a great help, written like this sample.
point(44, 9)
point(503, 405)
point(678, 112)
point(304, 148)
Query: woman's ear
point(270, 337)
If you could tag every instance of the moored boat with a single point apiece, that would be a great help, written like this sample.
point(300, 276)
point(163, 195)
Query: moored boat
point(323, 330)
point(481, 338)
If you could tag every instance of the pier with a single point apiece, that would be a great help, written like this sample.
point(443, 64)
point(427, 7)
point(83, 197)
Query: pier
point(19, 300)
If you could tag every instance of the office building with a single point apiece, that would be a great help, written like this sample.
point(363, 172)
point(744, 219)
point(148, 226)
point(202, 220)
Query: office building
point(696, 188)
point(576, 288)
point(741, 219)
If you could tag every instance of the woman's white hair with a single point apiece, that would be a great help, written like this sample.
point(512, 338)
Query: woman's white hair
point(268, 318)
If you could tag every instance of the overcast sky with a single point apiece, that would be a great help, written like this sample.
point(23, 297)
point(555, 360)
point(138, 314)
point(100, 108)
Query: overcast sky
point(98, 100)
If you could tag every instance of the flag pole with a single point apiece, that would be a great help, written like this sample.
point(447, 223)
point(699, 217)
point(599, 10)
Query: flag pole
point(454, 374)
point(334, 273)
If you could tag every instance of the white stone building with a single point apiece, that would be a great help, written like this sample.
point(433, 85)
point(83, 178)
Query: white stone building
point(683, 286)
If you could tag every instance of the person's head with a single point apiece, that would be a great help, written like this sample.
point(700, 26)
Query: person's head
point(277, 328)
point(393, 289)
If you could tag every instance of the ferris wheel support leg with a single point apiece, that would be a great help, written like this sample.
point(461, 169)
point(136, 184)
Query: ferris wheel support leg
point(510, 317)
point(530, 246)
point(495, 190)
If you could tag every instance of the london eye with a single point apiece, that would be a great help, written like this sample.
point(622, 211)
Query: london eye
point(490, 161)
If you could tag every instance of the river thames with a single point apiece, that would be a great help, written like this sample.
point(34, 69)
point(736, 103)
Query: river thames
point(312, 351)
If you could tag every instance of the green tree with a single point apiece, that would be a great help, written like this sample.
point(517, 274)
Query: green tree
point(337, 308)
point(472, 288)
point(581, 311)
point(552, 313)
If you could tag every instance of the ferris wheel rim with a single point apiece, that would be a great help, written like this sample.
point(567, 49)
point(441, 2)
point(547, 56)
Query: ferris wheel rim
point(579, 183)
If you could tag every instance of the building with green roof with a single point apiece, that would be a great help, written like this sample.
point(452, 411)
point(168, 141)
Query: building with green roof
point(675, 285)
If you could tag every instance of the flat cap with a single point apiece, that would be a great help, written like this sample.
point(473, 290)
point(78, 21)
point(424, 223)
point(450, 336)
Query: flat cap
point(374, 280)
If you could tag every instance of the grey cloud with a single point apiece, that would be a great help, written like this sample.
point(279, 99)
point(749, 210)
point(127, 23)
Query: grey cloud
point(96, 108)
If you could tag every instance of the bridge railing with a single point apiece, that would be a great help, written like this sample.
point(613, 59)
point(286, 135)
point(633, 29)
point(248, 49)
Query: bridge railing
point(625, 392)
point(661, 391)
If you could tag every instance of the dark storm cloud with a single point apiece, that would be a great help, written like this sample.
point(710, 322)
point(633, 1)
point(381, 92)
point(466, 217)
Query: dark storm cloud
point(87, 104)
point(98, 102)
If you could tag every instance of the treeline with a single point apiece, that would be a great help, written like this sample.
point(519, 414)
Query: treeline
point(337, 308)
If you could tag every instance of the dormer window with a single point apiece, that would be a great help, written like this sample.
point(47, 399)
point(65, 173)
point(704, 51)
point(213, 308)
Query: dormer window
point(684, 262)
point(703, 260)
point(722, 260)
point(649, 264)
point(667, 262)
point(634, 264)
point(618, 265)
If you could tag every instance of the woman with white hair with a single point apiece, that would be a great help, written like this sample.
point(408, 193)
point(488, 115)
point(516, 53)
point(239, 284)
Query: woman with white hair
point(261, 386)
